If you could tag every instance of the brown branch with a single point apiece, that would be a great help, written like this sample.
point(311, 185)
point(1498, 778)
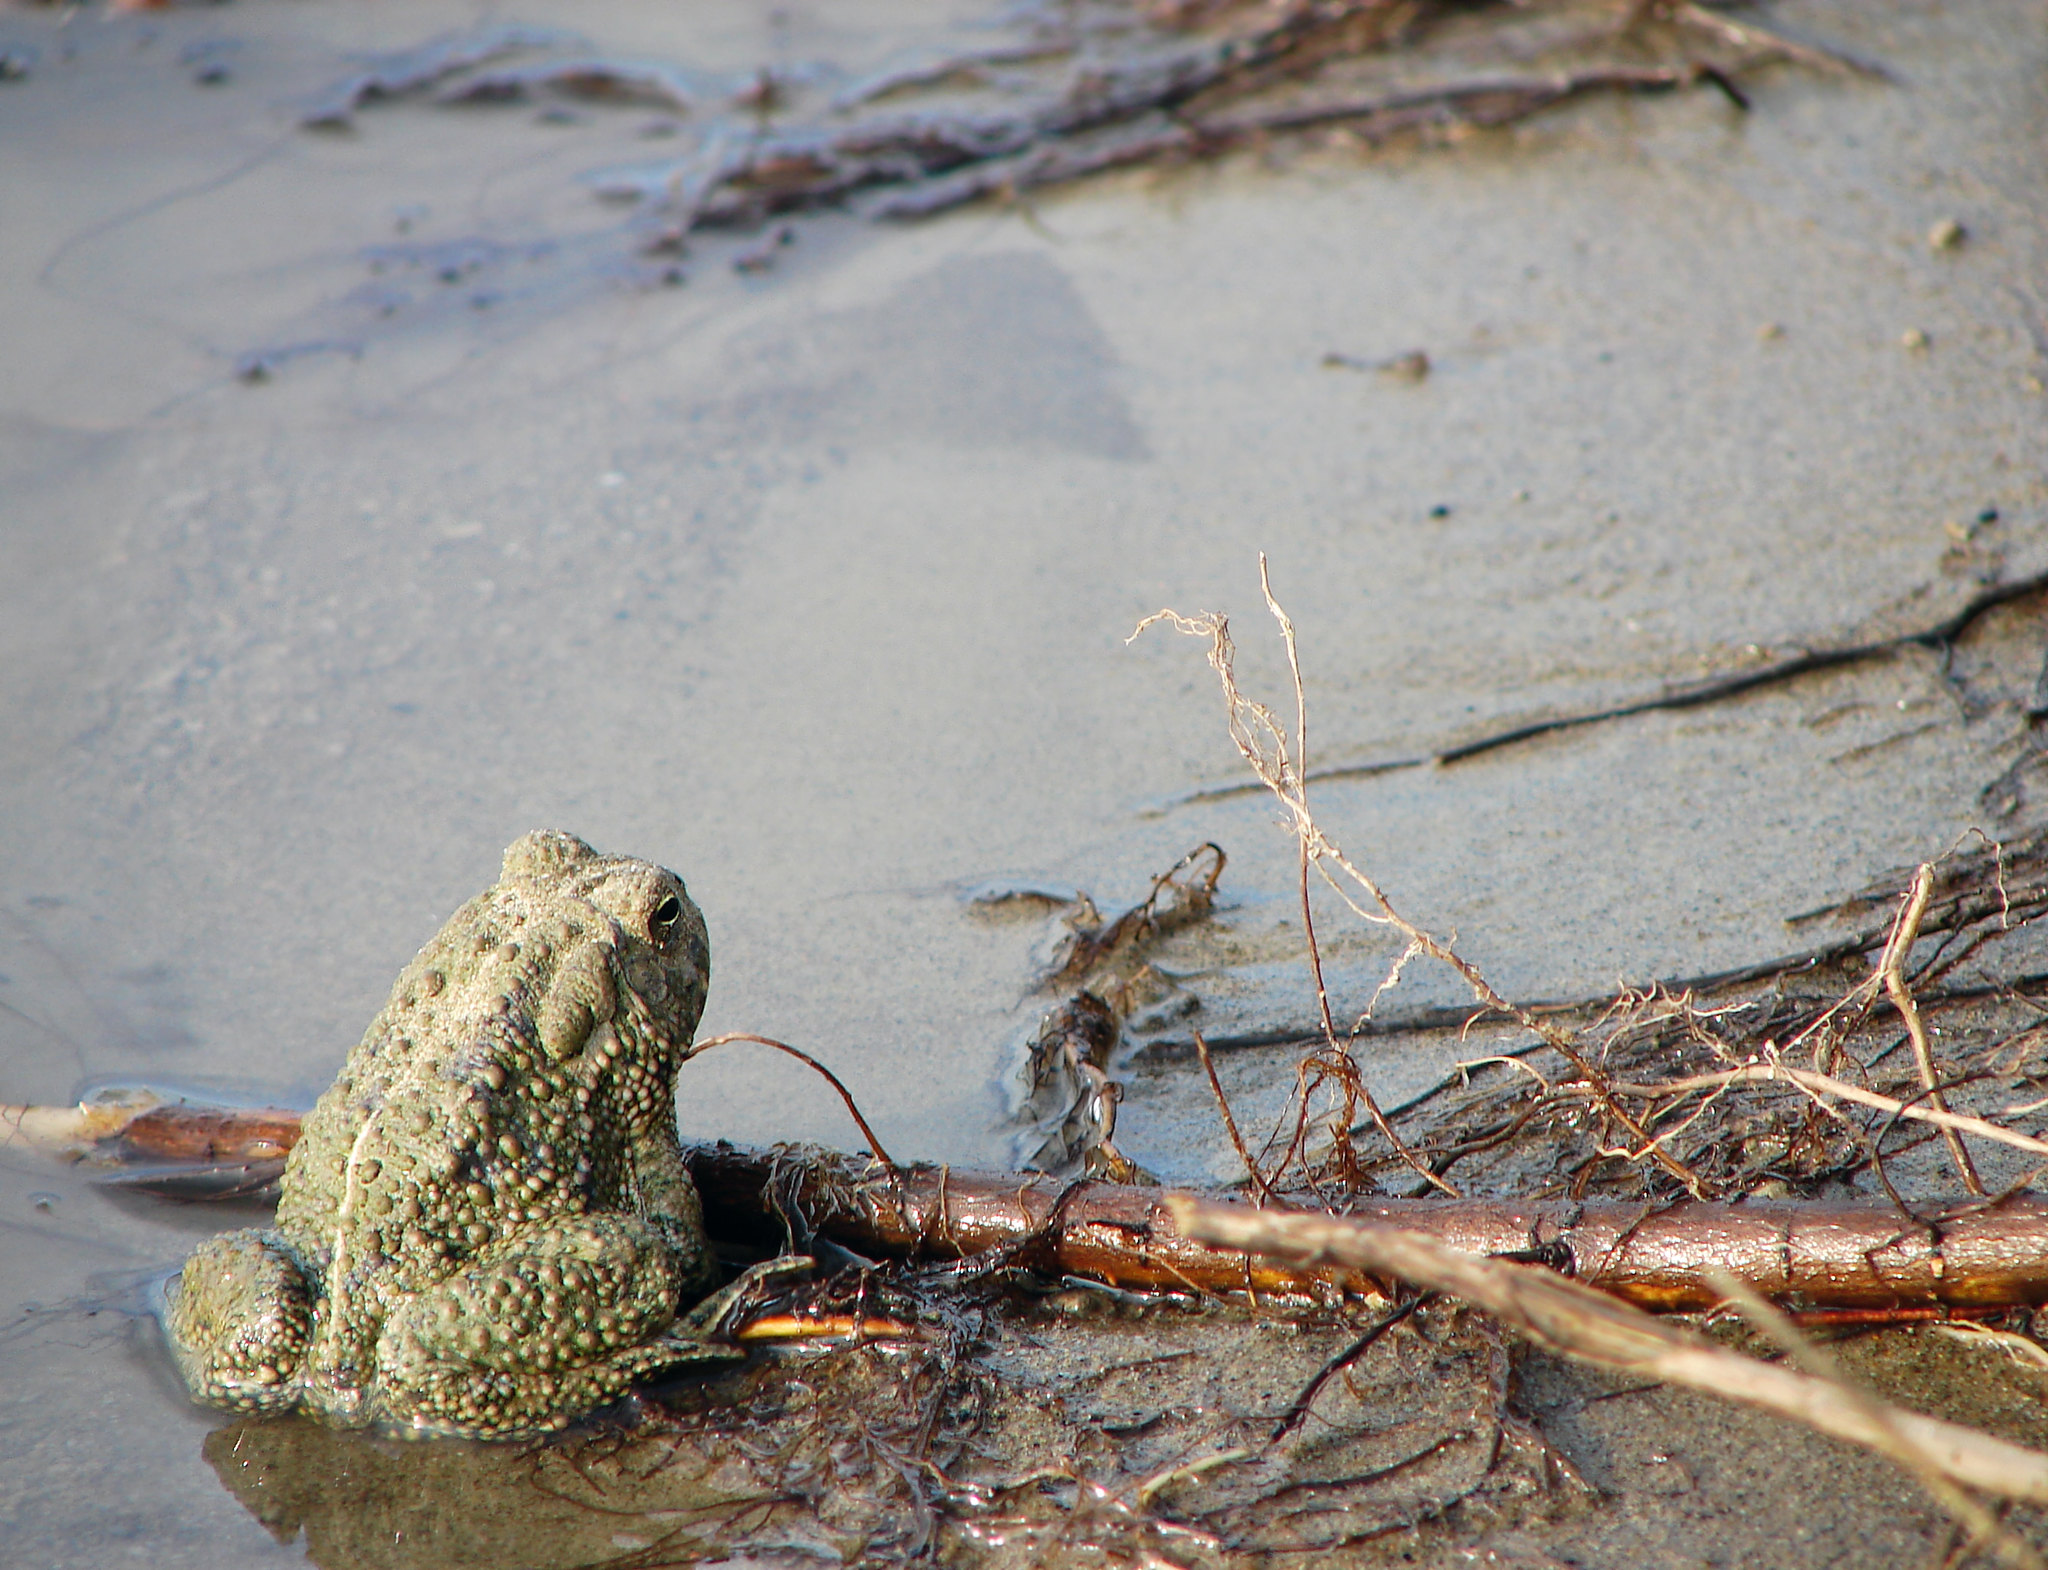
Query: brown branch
point(1954, 1256)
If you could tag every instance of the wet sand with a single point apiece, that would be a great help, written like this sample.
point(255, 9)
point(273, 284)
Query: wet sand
point(813, 583)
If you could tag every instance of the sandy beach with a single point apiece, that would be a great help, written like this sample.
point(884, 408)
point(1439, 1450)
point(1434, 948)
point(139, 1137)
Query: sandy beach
point(367, 499)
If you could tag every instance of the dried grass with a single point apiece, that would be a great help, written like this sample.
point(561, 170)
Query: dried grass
point(1949, 1460)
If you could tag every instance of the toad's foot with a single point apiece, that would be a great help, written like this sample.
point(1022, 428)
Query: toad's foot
point(238, 1322)
point(703, 1321)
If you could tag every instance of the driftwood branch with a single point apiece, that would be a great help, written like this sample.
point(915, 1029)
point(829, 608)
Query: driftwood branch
point(1853, 1255)
point(1847, 1255)
point(1132, 84)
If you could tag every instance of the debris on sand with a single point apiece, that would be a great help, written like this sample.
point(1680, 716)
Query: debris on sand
point(1106, 84)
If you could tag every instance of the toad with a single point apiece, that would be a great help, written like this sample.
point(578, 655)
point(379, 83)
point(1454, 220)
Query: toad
point(486, 1228)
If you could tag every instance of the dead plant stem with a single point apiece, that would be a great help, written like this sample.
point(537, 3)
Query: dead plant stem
point(1818, 1085)
point(1888, 1436)
point(1263, 742)
point(845, 1095)
point(1892, 968)
point(1261, 1188)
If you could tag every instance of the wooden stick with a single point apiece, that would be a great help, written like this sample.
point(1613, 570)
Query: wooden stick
point(1806, 1254)
point(1841, 1255)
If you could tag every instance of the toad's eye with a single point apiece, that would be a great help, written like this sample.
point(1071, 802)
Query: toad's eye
point(661, 926)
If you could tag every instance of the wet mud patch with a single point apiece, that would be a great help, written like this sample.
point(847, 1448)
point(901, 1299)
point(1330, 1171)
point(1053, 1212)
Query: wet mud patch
point(1016, 1428)
point(1072, 1424)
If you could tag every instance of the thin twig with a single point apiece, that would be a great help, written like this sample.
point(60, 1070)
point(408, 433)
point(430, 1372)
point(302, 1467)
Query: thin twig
point(1892, 968)
point(1298, 1412)
point(1819, 1084)
point(1251, 1167)
point(845, 1095)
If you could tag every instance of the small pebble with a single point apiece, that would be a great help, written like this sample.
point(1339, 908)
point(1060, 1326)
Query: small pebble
point(1769, 332)
point(1913, 338)
point(1946, 235)
point(1410, 367)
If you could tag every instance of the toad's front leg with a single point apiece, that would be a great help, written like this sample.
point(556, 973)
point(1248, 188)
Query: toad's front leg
point(240, 1316)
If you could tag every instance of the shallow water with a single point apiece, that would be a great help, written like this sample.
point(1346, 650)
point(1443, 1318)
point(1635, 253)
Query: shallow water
point(813, 584)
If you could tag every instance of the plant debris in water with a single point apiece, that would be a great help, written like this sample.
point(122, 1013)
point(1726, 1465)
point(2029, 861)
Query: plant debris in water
point(1104, 967)
point(1087, 87)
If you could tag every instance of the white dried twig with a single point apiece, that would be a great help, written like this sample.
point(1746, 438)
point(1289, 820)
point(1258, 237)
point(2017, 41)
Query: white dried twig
point(1577, 1321)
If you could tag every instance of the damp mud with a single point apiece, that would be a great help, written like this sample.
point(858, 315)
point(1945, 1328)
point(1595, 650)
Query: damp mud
point(373, 492)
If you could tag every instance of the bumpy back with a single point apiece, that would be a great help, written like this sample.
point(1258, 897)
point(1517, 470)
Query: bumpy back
point(520, 1055)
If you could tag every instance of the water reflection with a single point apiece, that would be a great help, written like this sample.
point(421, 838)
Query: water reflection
point(365, 1503)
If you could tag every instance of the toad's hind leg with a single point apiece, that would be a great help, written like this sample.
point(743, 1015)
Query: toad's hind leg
point(551, 1321)
point(239, 1318)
